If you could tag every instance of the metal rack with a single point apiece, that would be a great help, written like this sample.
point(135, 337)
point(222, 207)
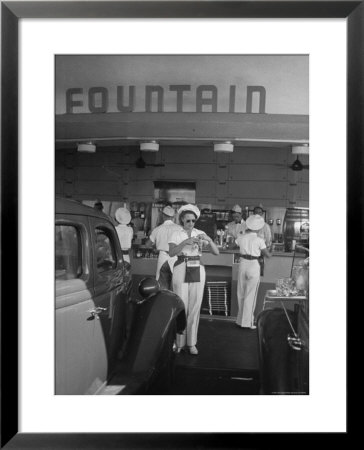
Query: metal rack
point(217, 298)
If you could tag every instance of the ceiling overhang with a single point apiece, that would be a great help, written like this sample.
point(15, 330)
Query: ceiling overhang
point(242, 129)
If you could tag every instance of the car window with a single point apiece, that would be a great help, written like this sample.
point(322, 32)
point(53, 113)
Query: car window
point(105, 250)
point(68, 252)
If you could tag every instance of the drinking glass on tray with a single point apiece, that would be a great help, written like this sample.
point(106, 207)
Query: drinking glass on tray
point(285, 287)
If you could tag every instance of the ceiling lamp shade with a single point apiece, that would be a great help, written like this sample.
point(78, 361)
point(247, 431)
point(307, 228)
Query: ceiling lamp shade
point(151, 146)
point(224, 147)
point(86, 147)
point(303, 149)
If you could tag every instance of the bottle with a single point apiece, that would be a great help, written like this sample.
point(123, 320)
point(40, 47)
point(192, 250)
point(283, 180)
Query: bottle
point(225, 236)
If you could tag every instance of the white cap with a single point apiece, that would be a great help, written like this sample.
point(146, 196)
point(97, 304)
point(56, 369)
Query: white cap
point(122, 215)
point(255, 222)
point(190, 207)
point(168, 211)
point(237, 208)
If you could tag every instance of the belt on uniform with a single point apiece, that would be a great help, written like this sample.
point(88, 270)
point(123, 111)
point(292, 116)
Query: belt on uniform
point(125, 252)
point(250, 257)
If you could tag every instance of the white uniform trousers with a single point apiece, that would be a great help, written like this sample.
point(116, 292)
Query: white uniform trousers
point(248, 284)
point(191, 295)
point(126, 256)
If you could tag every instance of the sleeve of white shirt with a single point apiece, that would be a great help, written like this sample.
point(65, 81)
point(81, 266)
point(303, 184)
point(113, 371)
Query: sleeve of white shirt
point(174, 239)
point(269, 236)
point(262, 245)
point(152, 235)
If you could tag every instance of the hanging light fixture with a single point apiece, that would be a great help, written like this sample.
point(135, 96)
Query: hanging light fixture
point(297, 165)
point(86, 147)
point(224, 147)
point(150, 146)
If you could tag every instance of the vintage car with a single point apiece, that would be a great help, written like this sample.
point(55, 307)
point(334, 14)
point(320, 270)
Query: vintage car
point(106, 341)
point(283, 338)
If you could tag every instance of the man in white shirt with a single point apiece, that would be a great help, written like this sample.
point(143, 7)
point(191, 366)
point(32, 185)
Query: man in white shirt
point(265, 232)
point(159, 238)
point(237, 226)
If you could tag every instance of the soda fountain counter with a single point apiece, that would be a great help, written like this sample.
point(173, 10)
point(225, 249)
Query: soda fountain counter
point(223, 267)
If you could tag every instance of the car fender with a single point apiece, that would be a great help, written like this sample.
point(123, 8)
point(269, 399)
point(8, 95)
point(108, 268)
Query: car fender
point(154, 317)
point(276, 358)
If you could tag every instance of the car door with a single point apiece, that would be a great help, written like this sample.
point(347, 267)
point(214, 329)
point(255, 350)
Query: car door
point(81, 358)
point(111, 283)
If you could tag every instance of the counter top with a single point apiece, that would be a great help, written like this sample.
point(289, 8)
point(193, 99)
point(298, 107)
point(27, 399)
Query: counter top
point(237, 251)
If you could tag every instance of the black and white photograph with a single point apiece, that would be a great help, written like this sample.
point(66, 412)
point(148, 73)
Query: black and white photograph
point(180, 191)
point(182, 224)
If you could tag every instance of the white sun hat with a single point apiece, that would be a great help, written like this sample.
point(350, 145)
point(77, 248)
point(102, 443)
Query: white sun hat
point(255, 222)
point(189, 207)
point(168, 211)
point(122, 215)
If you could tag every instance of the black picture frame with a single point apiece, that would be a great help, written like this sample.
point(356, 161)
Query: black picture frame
point(11, 13)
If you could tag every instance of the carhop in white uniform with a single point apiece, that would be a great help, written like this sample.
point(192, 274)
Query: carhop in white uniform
point(160, 237)
point(251, 248)
point(188, 274)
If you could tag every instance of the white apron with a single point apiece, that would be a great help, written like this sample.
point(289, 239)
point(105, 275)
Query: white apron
point(162, 258)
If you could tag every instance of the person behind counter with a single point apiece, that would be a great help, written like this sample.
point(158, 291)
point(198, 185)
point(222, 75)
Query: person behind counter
point(160, 237)
point(125, 232)
point(188, 274)
point(251, 248)
point(265, 232)
point(237, 226)
point(99, 206)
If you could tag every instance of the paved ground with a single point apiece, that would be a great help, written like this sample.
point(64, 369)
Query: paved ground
point(227, 363)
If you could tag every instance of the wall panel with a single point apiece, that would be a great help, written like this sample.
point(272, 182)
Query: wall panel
point(189, 172)
point(97, 188)
point(205, 189)
point(260, 155)
point(259, 172)
point(188, 154)
point(248, 176)
point(93, 173)
point(258, 190)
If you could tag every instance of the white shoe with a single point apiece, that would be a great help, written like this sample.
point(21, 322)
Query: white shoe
point(253, 327)
point(193, 350)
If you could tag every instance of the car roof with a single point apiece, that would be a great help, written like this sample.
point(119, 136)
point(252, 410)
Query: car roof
point(71, 206)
